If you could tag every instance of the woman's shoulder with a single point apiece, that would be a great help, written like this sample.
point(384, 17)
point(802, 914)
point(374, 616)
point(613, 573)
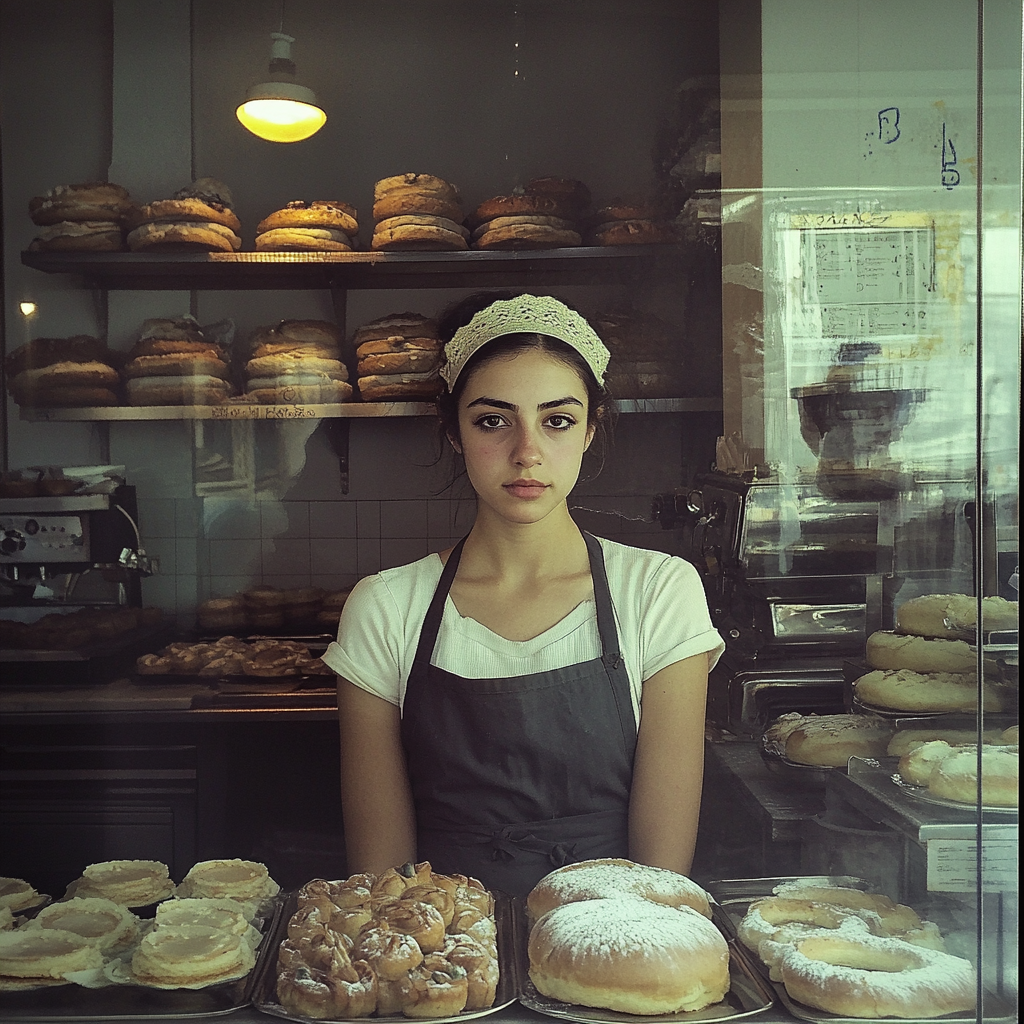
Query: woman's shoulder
point(629, 561)
point(400, 586)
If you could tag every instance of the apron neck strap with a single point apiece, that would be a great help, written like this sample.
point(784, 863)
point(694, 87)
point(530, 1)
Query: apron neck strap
point(602, 599)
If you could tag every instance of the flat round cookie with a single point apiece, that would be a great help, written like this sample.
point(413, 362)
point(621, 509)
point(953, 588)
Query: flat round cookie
point(418, 237)
point(527, 236)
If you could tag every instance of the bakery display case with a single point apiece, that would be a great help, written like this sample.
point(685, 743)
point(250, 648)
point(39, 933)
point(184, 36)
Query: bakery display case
point(837, 435)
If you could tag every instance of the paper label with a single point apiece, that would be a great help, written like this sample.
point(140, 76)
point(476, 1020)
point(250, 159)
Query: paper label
point(953, 865)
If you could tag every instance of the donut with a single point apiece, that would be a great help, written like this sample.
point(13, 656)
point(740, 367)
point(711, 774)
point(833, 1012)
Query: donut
point(895, 918)
point(955, 776)
point(436, 988)
point(630, 955)
point(828, 740)
point(904, 690)
point(889, 650)
point(610, 876)
point(769, 917)
point(869, 976)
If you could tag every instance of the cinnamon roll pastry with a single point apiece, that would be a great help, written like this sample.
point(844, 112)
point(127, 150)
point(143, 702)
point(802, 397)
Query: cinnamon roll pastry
point(319, 994)
point(437, 988)
point(350, 920)
point(420, 920)
point(324, 949)
point(390, 883)
point(470, 892)
point(481, 969)
point(391, 954)
point(469, 921)
point(437, 897)
point(354, 892)
point(311, 917)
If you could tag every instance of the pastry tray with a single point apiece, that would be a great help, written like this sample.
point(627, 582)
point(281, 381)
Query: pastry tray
point(73, 1002)
point(734, 895)
point(264, 997)
point(778, 764)
point(748, 994)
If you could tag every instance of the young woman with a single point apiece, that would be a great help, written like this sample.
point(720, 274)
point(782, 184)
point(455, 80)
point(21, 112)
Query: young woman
point(533, 696)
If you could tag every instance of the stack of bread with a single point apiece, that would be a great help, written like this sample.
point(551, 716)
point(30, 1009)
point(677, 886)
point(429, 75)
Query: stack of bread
point(417, 212)
point(324, 225)
point(543, 214)
point(827, 741)
point(175, 362)
point(265, 607)
point(197, 218)
point(409, 941)
point(78, 372)
point(630, 222)
point(296, 362)
point(399, 358)
point(614, 934)
point(262, 656)
point(67, 631)
point(81, 218)
point(646, 355)
point(926, 664)
point(855, 953)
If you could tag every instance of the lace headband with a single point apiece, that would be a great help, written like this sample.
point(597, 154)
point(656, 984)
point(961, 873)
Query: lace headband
point(525, 314)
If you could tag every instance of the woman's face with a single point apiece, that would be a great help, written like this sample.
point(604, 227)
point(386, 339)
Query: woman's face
point(523, 426)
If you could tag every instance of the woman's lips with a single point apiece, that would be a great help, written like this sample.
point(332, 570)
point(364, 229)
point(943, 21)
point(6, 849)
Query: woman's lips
point(527, 489)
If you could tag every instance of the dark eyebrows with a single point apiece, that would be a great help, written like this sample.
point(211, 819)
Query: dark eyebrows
point(497, 403)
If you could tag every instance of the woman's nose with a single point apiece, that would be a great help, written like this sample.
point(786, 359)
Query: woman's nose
point(527, 450)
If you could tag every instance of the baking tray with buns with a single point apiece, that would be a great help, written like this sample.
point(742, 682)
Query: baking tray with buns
point(71, 1002)
point(748, 993)
point(264, 997)
point(732, 897)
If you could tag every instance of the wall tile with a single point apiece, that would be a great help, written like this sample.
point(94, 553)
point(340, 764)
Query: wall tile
point(234, 558)
point(224, 585)
point(286, 557)
point(403, 518)
point(156, 517)
point(367, 519)
point(159, 591)
point(334, 581)
point(367, 556)
point(228, 518)
point(334, 555)
point(188, 517)
point(186, 556)
point(400, 551)
point(332, 518)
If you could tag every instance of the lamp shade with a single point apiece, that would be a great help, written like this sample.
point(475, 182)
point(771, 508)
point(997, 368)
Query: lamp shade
point(281, 112)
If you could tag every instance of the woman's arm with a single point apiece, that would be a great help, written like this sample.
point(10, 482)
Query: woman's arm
point(668, 770)
point(376, 800)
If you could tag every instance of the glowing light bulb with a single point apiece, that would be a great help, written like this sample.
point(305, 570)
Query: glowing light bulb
point(27, 308)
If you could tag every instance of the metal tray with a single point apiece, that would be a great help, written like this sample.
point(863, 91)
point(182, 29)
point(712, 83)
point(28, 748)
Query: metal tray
point(264, 997)
point(748, 993)
point(72, 1002)
point(734, 895)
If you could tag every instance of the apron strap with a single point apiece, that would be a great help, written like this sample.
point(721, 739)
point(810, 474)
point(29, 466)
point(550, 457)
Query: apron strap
point(432, 621)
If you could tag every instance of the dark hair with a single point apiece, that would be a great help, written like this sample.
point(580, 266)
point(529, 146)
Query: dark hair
point(599, 408)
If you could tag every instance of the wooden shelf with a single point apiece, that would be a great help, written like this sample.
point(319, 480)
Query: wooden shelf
point(283, 413)
point(365, 270)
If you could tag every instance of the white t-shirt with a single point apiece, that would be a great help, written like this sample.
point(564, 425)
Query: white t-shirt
point(658, 602)
point(661, 616)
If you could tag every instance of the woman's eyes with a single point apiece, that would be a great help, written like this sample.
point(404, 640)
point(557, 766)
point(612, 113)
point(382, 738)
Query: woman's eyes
point(493, 421)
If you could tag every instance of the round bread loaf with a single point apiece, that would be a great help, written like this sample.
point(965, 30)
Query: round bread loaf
point(402, 204)
point(419, 184)
point(403, 387)
point(166, 211)
point(527, 236)
point(420, 220)
point(535, 219)
point(79, 236)
point(513, 205)
point(955, 776)
point(295, 334)
point(92, 200)
point(330, 392)
point(417, 237)
point(608, 877)
point(178, 364)
point(402, 361)
point(184, 236)
point(904, 690)
point(296, 361)
point(829, 741)
point(399, 344)
point(906, 740)
point(573, 194)
point(954, 615)
point(321, 213)
point(306, 239)
point(629, 955)
point(188, 389)
point(633, 232)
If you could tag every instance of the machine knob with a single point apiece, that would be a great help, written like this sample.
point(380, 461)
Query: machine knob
point(11, 542)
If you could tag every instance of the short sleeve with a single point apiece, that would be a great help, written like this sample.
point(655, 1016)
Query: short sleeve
point(369, 651)
point(675, 622)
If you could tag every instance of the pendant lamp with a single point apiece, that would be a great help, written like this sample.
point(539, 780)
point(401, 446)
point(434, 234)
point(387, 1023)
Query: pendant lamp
point(281, 110)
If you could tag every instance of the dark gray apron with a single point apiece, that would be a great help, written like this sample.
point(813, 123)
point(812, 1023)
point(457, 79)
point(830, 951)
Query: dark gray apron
point(514, 777)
